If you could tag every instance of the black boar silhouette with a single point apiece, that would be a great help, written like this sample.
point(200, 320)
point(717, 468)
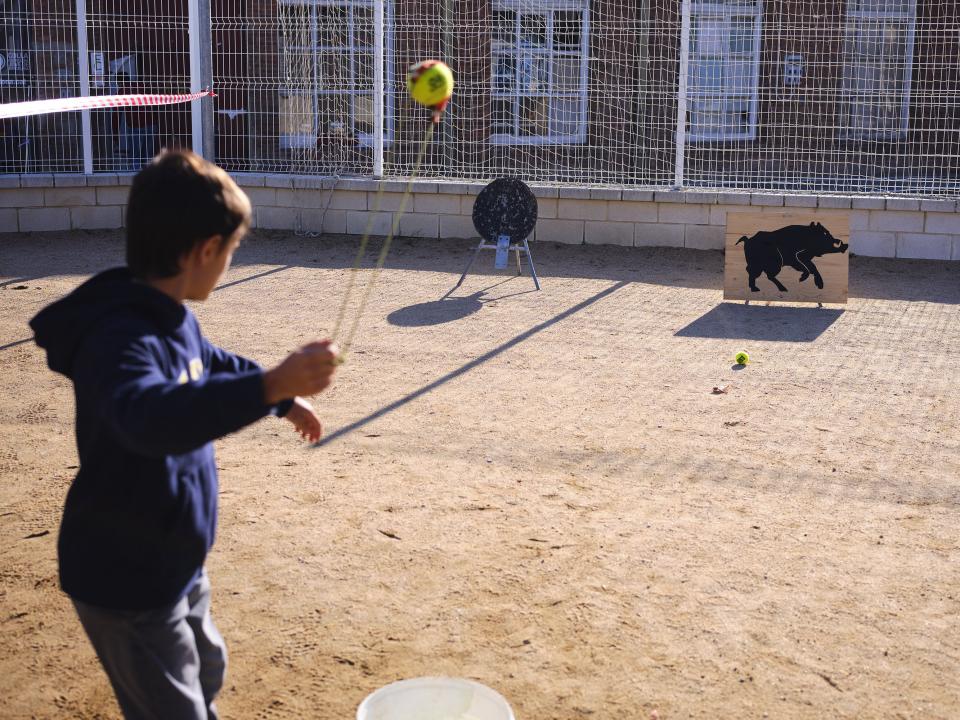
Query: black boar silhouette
point(794, 245)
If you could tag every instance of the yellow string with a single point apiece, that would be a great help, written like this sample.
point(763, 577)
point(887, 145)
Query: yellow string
point(381, 259)
point(351, 278)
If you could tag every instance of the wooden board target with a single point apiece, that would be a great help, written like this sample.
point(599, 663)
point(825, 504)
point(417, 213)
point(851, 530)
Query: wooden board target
point(787, 245)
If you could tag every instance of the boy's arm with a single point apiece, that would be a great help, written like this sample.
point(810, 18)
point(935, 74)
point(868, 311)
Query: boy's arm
point(219, 360)
point(154, 415)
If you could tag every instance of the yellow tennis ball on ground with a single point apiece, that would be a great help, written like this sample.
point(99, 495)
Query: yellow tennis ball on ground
point(742, 358)
point(430, 82)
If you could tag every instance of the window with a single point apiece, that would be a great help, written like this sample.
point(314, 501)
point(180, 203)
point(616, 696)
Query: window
point(326, 66)
point(539, 72)
point(878, 66)
point(724, 70)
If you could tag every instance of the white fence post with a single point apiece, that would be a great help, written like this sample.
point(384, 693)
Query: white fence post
point(681, 140)
point(201, 77)
point(378, 91)
point(83, 67)
point(206, 81)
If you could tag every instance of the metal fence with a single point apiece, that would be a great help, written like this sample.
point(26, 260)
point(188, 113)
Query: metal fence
point(850, 96)
point(66, 48)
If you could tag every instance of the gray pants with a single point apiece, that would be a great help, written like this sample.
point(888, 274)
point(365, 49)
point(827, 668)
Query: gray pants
point(164, 664)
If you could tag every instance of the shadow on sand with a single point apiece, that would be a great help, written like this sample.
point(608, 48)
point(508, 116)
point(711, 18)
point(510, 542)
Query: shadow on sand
point(734, 321)
point(28, 258)
point(468, 366)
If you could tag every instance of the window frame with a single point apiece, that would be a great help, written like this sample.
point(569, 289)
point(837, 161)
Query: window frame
point(290, 141)
point(850, 93)
point(546, 11)
point(727, 12)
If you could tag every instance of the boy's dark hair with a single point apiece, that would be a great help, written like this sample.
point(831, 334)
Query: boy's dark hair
point(175, 202)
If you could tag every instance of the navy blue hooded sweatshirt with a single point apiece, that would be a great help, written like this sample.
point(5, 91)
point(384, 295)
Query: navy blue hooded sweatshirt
point(151, 395)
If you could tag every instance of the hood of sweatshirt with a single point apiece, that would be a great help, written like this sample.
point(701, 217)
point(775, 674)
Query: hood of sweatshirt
point(60, 328)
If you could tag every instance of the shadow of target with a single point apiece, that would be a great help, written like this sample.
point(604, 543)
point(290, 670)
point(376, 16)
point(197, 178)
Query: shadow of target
point(436, 312)
point(777, 323)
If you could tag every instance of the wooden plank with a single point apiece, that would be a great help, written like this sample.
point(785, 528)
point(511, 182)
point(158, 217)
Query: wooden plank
point(768, 253)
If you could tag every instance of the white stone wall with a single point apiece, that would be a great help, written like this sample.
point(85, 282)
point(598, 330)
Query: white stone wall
point(882, 227)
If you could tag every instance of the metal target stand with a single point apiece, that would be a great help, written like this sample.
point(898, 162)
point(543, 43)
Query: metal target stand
point(504, 213)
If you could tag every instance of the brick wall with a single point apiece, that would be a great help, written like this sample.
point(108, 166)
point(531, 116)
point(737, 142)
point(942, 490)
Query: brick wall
point(883, 227)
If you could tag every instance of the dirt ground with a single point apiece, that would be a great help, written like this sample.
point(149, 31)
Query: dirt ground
point(540, 491)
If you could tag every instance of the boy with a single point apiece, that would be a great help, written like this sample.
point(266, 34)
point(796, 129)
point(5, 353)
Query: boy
point(151, 395)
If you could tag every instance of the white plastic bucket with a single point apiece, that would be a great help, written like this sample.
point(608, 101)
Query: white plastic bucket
point(435, 698)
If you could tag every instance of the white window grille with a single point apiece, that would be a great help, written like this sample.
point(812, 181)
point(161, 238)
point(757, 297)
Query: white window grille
point(326, 61)
point(724, 70)
point(539, 73)
point(878, 67)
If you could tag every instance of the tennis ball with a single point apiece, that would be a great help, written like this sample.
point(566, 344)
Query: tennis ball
point(742, 358)
point(430, 82)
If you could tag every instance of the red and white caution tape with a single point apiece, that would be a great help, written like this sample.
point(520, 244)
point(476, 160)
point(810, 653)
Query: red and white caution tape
point(95, 102)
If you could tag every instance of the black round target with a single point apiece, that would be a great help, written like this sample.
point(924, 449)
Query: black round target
point(505, 207)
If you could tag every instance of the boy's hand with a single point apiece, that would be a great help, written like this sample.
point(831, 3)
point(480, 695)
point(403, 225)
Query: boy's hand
point(306, 371)
point(304, 419)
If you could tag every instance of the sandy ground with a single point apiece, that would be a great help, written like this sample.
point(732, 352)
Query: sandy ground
point(540, 491)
